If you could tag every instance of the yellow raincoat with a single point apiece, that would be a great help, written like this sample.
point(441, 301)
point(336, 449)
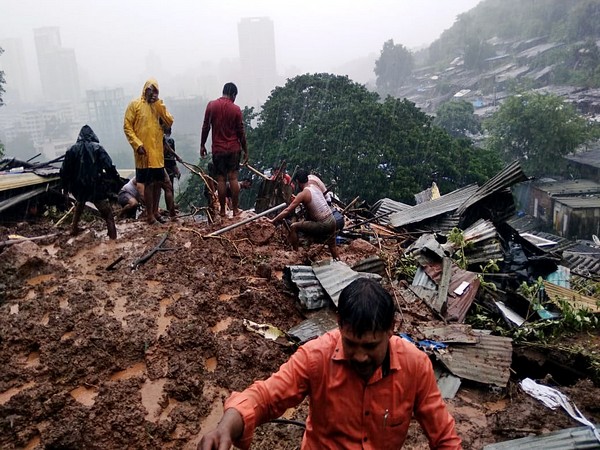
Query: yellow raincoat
point(142, 127)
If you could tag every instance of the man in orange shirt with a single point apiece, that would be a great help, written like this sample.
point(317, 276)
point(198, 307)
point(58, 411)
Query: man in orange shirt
point(365, 385)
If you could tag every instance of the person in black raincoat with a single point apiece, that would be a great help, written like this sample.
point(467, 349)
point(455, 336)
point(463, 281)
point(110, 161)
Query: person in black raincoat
point(88, 173)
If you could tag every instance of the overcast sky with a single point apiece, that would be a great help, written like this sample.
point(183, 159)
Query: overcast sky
point(112, 38)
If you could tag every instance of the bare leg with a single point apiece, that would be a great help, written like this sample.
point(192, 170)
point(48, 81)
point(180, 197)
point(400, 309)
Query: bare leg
point(132, 204)
point(293, 236)
point(157, 186)
point(235, 191)
point(222, 190)
point(149, 200)
point(333, 247)
point(169, 197)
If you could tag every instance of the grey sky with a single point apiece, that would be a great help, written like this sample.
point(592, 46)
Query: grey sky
point(112, 38)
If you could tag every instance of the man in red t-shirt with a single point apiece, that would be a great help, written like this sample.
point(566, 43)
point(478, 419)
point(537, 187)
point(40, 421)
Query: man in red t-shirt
point(228, 142)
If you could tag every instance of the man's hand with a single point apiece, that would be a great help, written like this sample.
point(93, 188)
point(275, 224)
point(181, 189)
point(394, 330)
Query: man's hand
point(141, 150)
point(230, 427)
point(203, 151)
point(245, 158)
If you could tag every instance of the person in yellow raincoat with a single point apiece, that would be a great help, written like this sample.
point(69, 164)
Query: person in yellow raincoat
point(145, 118)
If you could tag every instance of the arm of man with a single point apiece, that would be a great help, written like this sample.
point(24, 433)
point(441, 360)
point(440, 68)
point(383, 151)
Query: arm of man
point(163, 114)
point(431, 412)
point(261, 402)
point(241, 134)
point(303, 196)
point(205, 131)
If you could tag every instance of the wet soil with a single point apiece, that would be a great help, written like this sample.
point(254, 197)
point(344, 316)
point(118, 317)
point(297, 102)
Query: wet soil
point(143, 359)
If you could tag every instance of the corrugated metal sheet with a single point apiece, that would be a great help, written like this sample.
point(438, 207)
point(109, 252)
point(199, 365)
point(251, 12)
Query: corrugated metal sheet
point(9, 181)
point(387, 207)
point(579, 202)
point(568, 187)
point(455, 333)
point(571, 438)
point(561, 242)
point(374, 264)
point(457, 306)
point(433, 208)
point(512, 174)
point(483, 237)
point(582, 264)
point(487, 362)
point(336, 275)
point(310, 292)
point(579, 301)
point(15, 200)
point(318, 324)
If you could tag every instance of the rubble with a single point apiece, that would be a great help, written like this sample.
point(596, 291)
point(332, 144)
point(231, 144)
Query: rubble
point(95, 354)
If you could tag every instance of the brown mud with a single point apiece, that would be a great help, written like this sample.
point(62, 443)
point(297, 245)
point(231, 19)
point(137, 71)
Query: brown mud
point(122, 358)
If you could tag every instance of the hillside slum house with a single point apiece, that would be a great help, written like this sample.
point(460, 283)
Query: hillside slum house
point(463, 250)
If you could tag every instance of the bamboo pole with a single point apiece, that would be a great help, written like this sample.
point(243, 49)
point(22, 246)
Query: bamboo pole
point(245, 221)
point(257, 172)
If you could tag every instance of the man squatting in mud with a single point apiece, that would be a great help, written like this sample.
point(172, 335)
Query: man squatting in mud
point(365, 384)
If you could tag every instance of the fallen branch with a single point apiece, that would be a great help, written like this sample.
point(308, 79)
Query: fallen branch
point(62, 219)
point(245, 221)
point(19, 240)
point(150, 254)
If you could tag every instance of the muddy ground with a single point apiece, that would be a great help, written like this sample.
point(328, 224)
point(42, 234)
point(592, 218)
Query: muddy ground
point(143, 359)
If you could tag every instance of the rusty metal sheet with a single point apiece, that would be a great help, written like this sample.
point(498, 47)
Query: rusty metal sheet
point(488, 361)
point(457, 305)
point(456, 333)
point(580, 437)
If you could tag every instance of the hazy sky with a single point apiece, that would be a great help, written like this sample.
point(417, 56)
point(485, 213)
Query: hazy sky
point(112, 38)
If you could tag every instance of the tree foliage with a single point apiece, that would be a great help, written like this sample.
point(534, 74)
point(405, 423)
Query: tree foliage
point(368, 148)
point(536, 129)
point(394, 66)
point(457, 118)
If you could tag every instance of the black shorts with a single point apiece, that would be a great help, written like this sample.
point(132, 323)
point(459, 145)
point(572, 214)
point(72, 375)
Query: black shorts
point(150, 175)
point(226, 162)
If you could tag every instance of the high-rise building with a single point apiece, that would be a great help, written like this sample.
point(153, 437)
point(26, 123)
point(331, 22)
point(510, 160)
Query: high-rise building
point(12, 62)
point(256, 37)
point(58, 66)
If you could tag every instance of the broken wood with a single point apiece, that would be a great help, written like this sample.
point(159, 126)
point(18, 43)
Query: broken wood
point(350, 205)
point(19, 240)
point(62, 219)
point(138, 262)
point(245, 221)
point(257, 172)
point(440, 303)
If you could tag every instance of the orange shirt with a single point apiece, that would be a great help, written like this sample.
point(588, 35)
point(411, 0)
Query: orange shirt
point(345, 412)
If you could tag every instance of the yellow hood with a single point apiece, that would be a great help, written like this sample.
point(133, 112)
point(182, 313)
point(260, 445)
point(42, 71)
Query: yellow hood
point(149, 83)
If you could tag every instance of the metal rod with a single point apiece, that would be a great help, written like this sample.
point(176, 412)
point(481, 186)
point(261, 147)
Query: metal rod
point(245, 221)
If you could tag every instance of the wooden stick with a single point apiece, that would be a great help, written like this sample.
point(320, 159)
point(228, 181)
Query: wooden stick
point(62, 219)
point(257, 172)
point(245, 221)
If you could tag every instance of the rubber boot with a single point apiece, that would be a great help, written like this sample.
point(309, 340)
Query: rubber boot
point(75, 230)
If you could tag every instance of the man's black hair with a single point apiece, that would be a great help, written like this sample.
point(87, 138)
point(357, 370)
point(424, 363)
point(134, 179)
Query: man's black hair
point(301, 176)
point(365, 306)
point(230, 89)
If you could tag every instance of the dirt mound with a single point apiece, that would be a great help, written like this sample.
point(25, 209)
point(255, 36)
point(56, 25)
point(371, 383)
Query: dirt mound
point(143, 358)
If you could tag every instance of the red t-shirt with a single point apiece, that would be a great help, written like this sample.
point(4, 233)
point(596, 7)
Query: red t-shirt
point(225, 119)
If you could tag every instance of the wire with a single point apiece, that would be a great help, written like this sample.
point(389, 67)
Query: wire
point(289, 422)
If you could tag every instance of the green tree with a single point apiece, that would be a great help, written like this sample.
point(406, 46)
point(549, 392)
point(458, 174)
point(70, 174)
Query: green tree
point(393, 68)
point(368, 148)
point(536, 129)
point(457, 118)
